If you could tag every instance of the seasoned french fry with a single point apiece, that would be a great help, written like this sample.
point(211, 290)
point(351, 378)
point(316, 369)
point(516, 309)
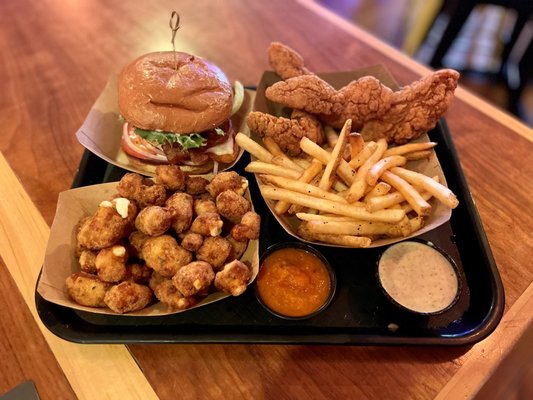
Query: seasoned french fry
point(380, 189)
point(441, 192)
point(393, 199)
point(416, 223)
point(361, 228)
point(335, 156)
point(421, 206)
point(307, 176)
point(273, 193)
point(417, 155)
point(253, 148)
point(259, 167)
point(363, 155)
point(357, 190)
point(302, 162)
point(341, 240)
point(408, 148)
point(321, 217)
point(381, 166)
point(344, 171)
point(301, 187)
point(357, 144)
point(278, 154)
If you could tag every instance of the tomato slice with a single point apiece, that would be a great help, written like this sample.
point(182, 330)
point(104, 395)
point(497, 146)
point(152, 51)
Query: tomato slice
point(136, 146)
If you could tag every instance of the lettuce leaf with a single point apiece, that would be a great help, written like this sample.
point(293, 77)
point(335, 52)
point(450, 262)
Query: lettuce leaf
point(190, 141)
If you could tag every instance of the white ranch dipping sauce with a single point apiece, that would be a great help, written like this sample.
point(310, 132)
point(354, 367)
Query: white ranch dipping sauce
point(418, 277)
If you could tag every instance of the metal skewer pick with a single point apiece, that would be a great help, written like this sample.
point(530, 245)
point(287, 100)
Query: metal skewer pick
point(174, 24)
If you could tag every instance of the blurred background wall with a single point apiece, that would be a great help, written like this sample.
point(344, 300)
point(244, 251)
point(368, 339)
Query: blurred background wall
point(489, 42)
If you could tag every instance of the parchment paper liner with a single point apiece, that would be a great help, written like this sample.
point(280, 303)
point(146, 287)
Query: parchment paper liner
point(440, 214)
point(60, 262)
point(101, 131)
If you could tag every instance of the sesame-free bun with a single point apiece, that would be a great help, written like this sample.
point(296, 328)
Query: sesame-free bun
point(154, 95)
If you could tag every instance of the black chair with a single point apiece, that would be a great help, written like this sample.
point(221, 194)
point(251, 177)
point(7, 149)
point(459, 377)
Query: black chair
point(459, 12)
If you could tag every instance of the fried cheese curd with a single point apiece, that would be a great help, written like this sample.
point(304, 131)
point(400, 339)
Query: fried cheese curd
point(162, 241)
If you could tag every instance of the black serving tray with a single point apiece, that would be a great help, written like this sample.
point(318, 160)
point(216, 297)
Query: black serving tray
point(360, 314)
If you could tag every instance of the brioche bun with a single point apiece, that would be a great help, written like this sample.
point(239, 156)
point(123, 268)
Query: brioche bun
point(155, 95)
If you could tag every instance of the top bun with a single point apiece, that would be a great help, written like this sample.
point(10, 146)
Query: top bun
point(153, 94)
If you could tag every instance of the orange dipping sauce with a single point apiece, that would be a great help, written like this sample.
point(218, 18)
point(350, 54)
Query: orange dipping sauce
point(294, 282)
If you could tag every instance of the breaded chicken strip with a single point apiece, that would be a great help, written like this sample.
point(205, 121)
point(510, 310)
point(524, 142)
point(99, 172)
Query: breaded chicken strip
point(307, 92)
point(373, 108)
point(415, 109)
point(286, 62)
point(286, 132)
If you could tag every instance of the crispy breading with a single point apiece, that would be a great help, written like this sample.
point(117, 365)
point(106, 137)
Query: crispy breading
point(286, 132)
point(286, 62)
point(415, 109)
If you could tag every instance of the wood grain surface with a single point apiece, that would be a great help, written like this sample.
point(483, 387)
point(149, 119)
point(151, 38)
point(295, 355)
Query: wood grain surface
point(56, 58)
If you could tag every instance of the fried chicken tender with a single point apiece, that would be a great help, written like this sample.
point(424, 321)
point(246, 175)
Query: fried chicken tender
point(215, 251)
point(192, 241)
point(153, 220)
point(233, 278)
point(415, 109)
point(237, 248)
point(287, 132)
point(194, 278)
point(196, 185)
point(248, 228)
point(232, 206)
point(207, 224)
point(107, 226)
point(180, 205)
point(86, 289)
point(128, 296)
point(286, 62)
point(167, 294)
point(111, 263)
point(374, 109)
point(142, 190)
point(204, 205)
point(87, 261)
point(229, 180)
point(171, 177)
point(164, 255)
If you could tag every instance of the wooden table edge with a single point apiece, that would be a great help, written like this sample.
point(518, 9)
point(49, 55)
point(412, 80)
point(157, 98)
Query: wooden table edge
point(112, 366)
point(468, 97)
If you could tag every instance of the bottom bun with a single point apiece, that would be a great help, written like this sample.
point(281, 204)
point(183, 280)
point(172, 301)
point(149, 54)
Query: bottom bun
point(197, 169)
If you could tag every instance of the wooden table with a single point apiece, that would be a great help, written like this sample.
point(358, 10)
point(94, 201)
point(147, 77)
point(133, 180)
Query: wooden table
point(56, 57)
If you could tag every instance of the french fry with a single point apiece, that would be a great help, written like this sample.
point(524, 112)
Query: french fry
point(408, 148)
point(302, 162)
point(393, 199)
point(420, 206)
point(381, 166)
point(357, 190)
point(273, 193)
point(417, 155)
point(380, 189)
point(344, 171)
point(278, 154)
point(321, 217)
point(260, 167)
point(301, 187)
point(341, 240)
point(307, 176)
point(335, 156)
point(363, 155)
point(357, 144)
point(361, 228)
point(441, 192)
point(253, 148)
